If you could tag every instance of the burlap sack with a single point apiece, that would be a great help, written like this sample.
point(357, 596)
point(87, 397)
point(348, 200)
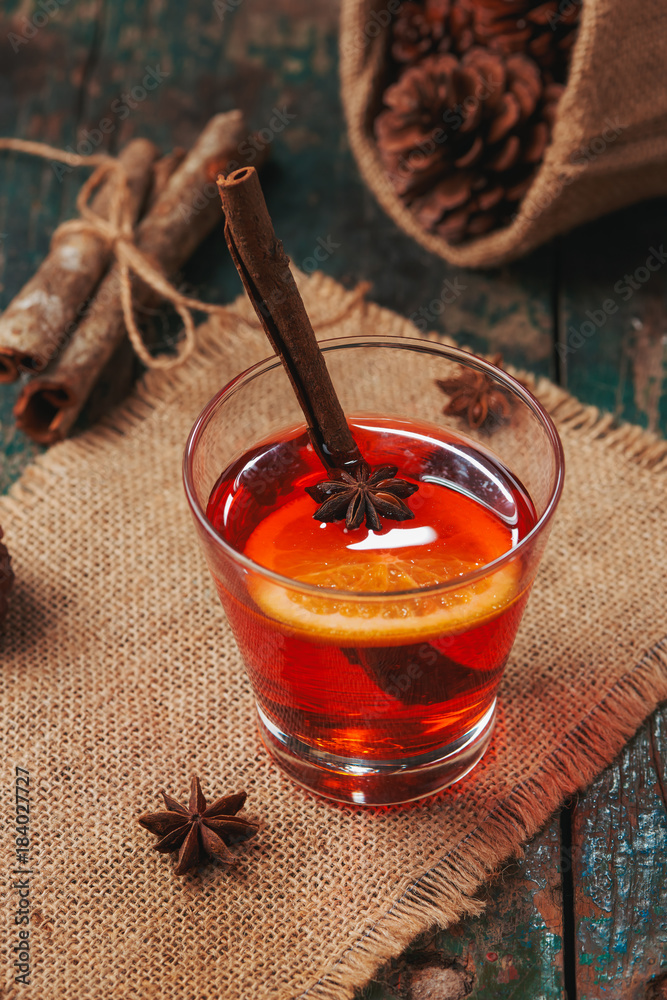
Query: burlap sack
point(120, 677)
point(609, 145)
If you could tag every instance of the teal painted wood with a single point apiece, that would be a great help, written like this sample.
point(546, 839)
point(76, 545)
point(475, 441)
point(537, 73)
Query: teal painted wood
point(620, 872)
point(315, 195)
point(277, 60)
point(514, 950)
point(42, 77)
point(40, 73)
point(613, 336)
point(15, 451)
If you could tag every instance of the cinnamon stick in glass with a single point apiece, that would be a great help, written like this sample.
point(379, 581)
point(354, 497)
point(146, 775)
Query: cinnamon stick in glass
point(265, 272)
point(37, 323)
point(185, 212)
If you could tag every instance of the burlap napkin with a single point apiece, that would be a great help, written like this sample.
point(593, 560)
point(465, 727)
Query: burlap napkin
point(120, 677)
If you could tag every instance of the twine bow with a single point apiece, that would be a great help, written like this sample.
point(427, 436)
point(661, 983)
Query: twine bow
point(118, 233)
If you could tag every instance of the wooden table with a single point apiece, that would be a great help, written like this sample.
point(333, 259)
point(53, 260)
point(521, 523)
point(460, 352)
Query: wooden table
point(584, 912)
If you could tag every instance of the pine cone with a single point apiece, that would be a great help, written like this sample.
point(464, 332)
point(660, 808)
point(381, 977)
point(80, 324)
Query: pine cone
point(425, 27)
point(461, 139)
point(545, 31)
point(6, 578)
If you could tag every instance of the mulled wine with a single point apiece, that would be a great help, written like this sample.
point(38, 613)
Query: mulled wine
point(362, 645)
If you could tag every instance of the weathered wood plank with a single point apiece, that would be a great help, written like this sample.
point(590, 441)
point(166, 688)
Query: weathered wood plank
point(277, 59)
point(514, 950)
point(279, 63)
point(620, 873)
point(41, 69)
point(15, 451)
point(315, 194)
point(42, 75)
point(613, 336)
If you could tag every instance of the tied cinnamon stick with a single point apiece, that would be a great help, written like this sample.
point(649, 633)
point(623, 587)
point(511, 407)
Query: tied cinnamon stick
point(37, 323)
point(163, 171)
point(180, 218)
point(265, 272)
point(121, 370)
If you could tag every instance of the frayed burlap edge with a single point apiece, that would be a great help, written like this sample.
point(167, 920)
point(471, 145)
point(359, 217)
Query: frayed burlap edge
point(444, 894)
point(568, 189)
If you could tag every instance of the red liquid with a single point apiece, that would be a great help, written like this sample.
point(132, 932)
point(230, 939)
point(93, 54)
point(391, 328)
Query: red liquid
point(377, 679)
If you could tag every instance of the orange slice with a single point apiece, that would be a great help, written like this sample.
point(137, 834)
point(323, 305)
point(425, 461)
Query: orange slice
point(367, 620)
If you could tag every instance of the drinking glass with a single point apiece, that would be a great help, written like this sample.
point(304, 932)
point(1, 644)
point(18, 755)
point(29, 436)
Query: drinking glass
point(382, 696)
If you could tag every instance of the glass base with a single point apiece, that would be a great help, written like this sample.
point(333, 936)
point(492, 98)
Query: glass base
point(377, 783)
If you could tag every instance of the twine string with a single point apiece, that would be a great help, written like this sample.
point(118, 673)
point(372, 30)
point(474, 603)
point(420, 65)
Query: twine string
point(118, 233)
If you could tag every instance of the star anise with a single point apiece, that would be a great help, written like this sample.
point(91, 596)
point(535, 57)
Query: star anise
point(198, 831)
point(477, 397)
point(366, 494)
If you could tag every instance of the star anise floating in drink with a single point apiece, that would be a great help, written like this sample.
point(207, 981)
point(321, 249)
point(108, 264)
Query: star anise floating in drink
point(198, 831)
point(476, 397)
point(366, 494)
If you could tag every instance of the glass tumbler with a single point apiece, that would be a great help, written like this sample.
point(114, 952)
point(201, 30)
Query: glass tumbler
point(384, 694)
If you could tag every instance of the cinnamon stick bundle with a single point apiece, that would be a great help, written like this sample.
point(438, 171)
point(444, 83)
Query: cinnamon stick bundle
point(38, 322)
point(162, 172)
point(185, 212)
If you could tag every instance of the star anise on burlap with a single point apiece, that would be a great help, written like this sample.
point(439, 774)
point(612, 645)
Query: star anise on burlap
point(364, 495)
point(198, 831)
point(478, 398)
point(6, 578)
point(422, 27)
point(461, 139)
point(545, 31)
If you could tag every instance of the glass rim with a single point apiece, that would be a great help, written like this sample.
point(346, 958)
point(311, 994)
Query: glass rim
point(405, 343)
